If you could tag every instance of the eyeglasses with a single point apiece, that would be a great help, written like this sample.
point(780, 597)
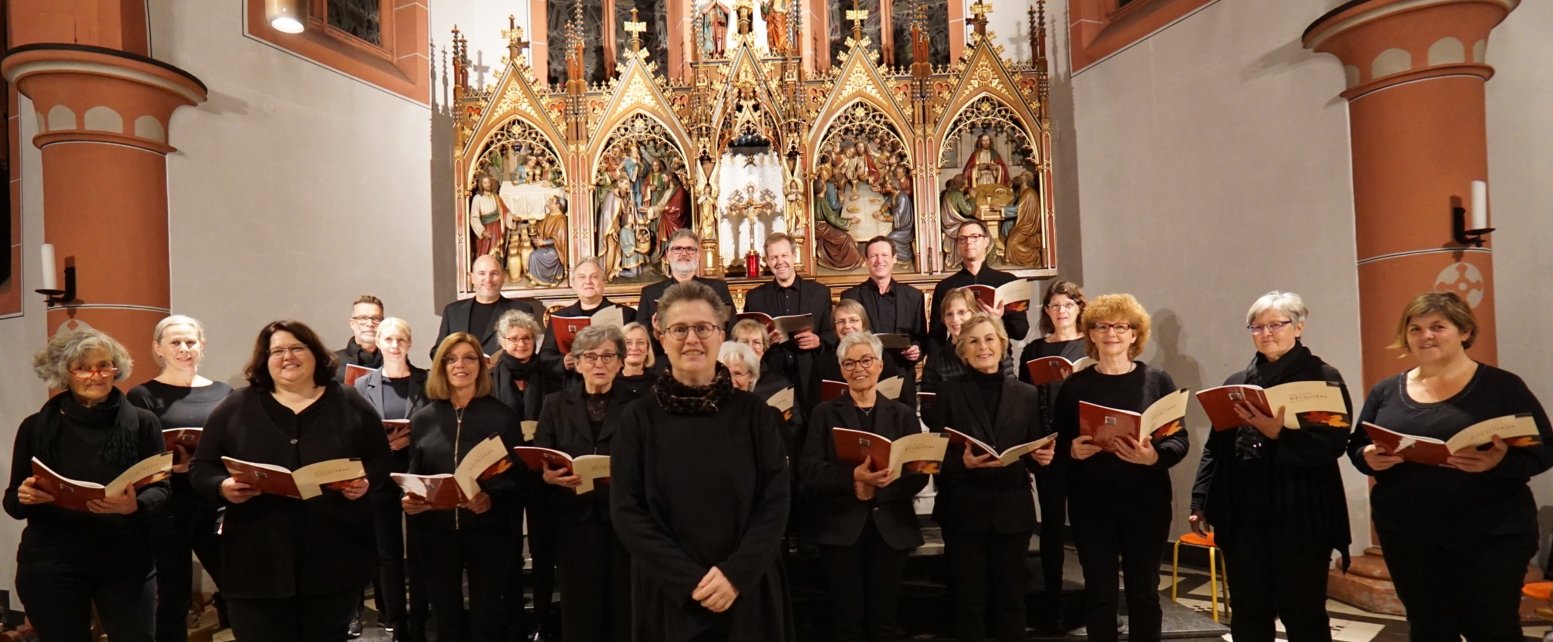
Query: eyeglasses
point(1054, 307)
point(83, 372)
point(281, 353)
point(368, 320)
point(680, 249)
point(523, 339)
point(970, 238)
point(590, 358)
point(1268, 327)
point(448, 361)
point(864, 363)
point(1103, 328)
point(680, 332)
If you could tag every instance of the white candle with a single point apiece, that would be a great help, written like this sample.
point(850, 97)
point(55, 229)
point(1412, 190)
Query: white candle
point(1479, 205)
point(50, 280)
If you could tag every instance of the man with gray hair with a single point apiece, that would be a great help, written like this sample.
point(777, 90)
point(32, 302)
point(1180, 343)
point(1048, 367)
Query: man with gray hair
point(684, 252)
point(588, 281)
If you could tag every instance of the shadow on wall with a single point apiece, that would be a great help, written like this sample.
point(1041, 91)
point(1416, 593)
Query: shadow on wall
point(440, 173)
point(1187, 373)
point(1064, 150)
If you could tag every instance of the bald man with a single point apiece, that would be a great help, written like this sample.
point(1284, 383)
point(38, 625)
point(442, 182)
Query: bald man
point(478, 315)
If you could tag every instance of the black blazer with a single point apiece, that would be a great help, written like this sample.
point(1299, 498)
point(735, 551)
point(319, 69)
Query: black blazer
point(371, 386)
point(647, 306)
point(564, 426)
point(455, 318)
point(910, 315)
point(432, 433)
point(550, 353)
point(833, 516)
point(1016, 323)
point(281, 547)
point(987, 499)
point(796, 364)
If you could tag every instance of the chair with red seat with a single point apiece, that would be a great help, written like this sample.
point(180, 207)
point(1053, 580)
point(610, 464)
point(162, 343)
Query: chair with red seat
point(1215, 564)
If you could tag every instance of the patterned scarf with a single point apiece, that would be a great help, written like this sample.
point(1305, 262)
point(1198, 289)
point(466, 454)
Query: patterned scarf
point(681, 399)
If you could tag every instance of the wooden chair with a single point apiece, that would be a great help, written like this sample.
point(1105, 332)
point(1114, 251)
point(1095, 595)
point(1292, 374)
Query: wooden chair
point(1216, 563)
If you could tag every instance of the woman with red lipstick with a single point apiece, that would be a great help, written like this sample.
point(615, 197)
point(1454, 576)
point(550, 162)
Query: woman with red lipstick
point(1457, 538)
point(1274, 496)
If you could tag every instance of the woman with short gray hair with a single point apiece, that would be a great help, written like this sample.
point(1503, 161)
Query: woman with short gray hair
point(1274, 496)
point(743, 365)
point(70, 561)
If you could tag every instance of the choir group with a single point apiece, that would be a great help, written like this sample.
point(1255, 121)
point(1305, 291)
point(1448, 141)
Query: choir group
point(709, 482)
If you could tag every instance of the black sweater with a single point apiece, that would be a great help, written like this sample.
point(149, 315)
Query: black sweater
point(1291, 484)
point(433, 431)
point(1446, 501)
point(275, 547)
point(179, 406)
point(116, 543)
point(1104, 476)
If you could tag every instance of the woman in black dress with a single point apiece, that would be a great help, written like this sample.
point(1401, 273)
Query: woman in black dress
point(1457, 538)
point(181, 398)
point(1118, 503)
point(292, 569)
point(862, 520)
point(473, 538)
point(1274, 497)
point(699, 494)
point(1061, 309)
point(397, 390)
point(637, 364)
point(595, 568)
point(69, 561)
point(518, 380)
point(985, 507)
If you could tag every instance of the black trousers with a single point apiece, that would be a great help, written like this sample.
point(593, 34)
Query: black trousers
point(983, 561)
point(864, 581)
point(59, 596)
point(595, 583)
point(444, 557)
point(1274, 578)
point(302, 618)
point(1052, 494)
point(185, 529)
point(388, 589)
point(1463, 586)
point(516, 620)
point(544, 550)
point(1104, 530)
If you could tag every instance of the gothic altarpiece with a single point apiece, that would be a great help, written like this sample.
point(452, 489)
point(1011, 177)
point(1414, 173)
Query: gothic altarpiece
point(747, 144)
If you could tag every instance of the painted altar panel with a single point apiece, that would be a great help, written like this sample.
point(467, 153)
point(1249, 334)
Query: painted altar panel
point(750, 145)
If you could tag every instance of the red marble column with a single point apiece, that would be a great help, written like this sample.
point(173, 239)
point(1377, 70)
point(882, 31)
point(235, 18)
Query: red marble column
point(1415, 83)
point(103, 117)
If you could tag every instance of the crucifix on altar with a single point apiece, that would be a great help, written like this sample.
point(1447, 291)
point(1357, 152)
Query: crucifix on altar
point(514, 35)
point(857, 16)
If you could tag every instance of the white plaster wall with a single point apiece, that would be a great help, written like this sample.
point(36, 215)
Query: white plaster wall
point(1213, 166)
point(1520, 183)
point(295, 189)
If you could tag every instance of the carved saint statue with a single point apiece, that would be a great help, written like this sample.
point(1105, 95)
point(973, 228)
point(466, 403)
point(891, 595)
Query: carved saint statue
point(1022, 242)
point(774, 12)
point(985, 166)
point(957, 208)
point(547, 265)
point(488, 218)
point(714, 29)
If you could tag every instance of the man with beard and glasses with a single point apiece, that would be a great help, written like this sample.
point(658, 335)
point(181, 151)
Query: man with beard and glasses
point(684, 252)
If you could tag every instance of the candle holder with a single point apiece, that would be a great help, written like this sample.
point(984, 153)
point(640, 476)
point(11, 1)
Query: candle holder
point(1461, 234)
point(61, 297)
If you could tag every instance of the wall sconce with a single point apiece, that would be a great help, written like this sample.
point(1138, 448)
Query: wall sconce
point(286, 16)
point(50, 290)
point(1473, 235)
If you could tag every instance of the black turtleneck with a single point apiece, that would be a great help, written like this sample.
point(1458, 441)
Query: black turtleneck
point(990, 387)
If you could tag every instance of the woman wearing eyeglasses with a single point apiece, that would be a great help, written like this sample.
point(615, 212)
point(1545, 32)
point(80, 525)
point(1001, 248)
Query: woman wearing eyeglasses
point(1061, 308)
point(1274, 496)
point(946, 364)
point(700, 490)
point(518, 380)
point(595, 568)
point(71, 561)
point(1118, 503)
point(1457, 538)
point(181, 398)
point(292, 568)
point(985, 507)
point(474, 538)
point(849, 318)
point(861, 516)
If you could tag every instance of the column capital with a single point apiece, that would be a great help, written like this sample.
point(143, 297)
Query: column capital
point(93, 94)
point(1383, 43)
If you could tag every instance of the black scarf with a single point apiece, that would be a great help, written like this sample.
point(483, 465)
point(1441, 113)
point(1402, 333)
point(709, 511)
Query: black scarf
point(120, 450)
point(681, 399)
point(355, 355)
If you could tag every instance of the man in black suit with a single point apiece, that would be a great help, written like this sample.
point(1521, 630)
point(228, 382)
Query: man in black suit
point(892, 307)
point(973, 242)
point(478, 315)
point(361, 349)
point(588, 281)
point(684, 252)
point(788, 294)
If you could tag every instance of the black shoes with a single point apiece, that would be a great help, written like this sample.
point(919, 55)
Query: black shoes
point(354, 630)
